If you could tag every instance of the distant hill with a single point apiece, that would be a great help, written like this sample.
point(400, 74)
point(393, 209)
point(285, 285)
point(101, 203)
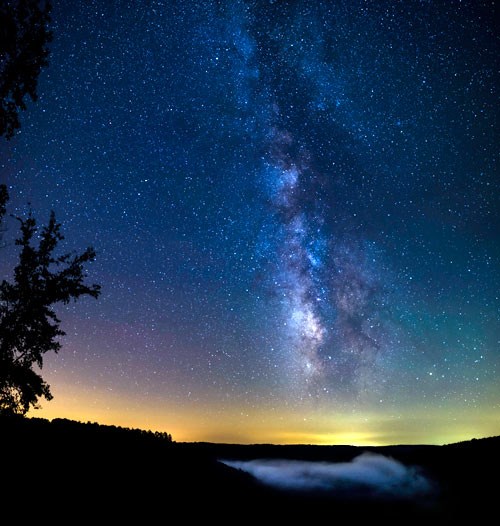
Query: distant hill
point(65, 469)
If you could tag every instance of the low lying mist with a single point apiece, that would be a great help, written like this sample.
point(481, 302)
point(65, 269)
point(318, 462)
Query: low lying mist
point(369, 475)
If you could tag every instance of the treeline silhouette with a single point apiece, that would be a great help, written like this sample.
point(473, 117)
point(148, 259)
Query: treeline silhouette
point(63, 470)
point(85, 430)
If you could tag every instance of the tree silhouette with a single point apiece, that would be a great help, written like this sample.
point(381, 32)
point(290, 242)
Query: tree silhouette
point(24, 39)
point(4, 196)
point(29, 326)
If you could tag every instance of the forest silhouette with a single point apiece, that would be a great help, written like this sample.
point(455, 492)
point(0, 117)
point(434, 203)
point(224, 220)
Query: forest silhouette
point(61, 469)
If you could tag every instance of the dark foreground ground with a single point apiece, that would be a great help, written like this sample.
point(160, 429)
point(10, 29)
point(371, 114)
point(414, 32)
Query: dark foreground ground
point(63, 471)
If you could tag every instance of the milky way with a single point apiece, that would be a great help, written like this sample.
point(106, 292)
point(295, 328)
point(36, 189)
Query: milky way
point(294, 279)
point(294, 207)
point(328, 288)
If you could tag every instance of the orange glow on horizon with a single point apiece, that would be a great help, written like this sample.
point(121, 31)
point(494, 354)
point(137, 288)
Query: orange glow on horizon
point(212, 422)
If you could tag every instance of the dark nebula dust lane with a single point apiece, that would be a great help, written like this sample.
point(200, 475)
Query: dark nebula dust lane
point(295, 211)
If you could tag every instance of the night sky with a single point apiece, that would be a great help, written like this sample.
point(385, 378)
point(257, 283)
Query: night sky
point(295, 210)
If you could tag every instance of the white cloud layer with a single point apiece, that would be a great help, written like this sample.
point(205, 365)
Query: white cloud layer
point(369, 475)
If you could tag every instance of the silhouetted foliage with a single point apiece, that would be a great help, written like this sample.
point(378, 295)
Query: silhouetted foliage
point(29, 326)
point(24, 39)
point(4, 197)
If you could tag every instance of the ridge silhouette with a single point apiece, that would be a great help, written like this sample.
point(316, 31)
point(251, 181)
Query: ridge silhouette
point(70, 469)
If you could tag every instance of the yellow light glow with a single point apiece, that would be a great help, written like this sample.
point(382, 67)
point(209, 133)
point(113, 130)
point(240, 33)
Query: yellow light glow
point(212, 421)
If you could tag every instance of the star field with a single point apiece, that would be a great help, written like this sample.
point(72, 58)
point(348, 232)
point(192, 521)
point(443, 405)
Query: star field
point(295, 212)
